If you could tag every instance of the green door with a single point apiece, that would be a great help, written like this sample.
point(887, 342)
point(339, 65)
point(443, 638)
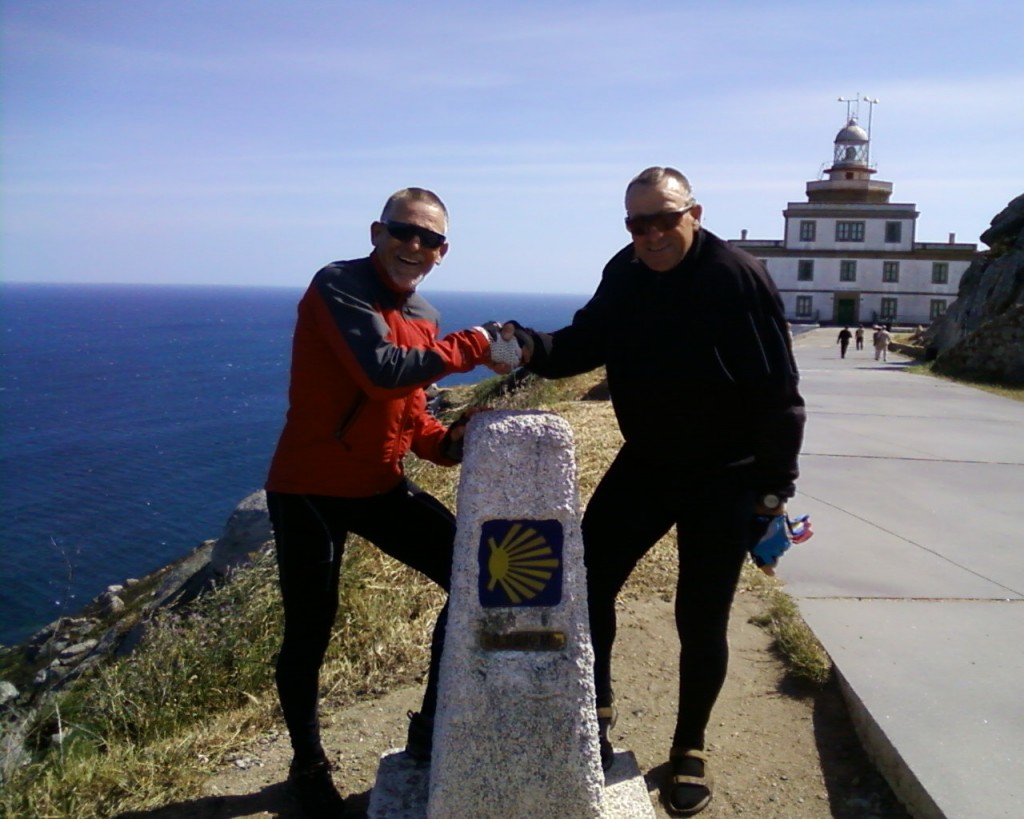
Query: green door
point(846, 310)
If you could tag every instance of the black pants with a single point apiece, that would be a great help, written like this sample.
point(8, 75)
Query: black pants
point(310, 532)
point(632, 508)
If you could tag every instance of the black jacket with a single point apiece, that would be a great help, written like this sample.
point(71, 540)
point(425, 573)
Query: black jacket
point(700, 364)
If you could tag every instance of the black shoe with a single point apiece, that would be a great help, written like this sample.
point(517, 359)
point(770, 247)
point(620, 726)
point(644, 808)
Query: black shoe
point(606, 718)
point(313, 789)
point(420, 738)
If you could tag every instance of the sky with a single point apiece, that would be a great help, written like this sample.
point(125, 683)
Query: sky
point(249, 142)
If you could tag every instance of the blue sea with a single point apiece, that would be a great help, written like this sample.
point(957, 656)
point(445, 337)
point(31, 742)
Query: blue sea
point(134, 418)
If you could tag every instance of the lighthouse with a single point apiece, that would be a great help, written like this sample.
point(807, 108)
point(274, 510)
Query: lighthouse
point(849, 178)
point(849, 254)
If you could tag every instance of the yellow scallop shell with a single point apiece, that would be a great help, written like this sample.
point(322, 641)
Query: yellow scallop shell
point(521, 564)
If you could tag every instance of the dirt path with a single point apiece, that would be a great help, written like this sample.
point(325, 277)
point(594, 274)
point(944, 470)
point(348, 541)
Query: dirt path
point(776, 750)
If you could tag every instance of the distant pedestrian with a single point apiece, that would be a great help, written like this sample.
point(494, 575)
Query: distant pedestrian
point(844, 341)
point(859, 336)
point(881, 341)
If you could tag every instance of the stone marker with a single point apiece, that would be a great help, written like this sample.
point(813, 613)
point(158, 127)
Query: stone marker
point(515, 733)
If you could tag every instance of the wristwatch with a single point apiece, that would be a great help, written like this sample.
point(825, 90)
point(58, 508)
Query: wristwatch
point(771, 501)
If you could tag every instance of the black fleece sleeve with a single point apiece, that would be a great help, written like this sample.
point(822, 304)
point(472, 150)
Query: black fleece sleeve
point(583, 345)
point(755, 347)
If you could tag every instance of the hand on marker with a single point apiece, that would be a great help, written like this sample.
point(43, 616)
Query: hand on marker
point(779, 533)
point(454, 439)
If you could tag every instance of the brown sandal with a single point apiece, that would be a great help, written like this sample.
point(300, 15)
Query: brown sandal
point(689, 792)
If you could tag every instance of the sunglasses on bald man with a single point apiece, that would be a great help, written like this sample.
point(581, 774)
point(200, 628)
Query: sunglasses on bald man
point(404, 232)
point(662, 222)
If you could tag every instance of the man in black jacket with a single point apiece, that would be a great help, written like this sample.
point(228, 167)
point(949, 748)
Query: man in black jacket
point(704, 386)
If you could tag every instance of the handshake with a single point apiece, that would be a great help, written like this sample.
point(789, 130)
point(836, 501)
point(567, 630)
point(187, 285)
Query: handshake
point(512, 345)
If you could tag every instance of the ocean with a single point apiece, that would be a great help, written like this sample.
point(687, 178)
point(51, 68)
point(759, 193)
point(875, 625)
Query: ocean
point(134, 418)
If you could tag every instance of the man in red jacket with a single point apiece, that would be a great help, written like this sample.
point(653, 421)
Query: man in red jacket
point(365, 345)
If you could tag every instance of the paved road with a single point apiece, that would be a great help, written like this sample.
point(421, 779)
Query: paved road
point(914, 582)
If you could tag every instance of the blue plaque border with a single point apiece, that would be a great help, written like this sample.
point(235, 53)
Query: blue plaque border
point(521, 563)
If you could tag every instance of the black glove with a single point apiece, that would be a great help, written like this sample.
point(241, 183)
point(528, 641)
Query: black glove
point(492, 328)
point(452, 448)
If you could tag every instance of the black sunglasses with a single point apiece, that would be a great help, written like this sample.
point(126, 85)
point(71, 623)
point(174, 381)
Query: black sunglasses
point(404, 232)
point(665, 221)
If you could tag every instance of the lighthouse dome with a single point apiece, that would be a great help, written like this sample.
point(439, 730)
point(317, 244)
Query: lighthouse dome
point(852, 133)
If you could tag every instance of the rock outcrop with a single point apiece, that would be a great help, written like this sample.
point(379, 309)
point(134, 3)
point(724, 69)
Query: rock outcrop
point(247, 531)
point(982, 333)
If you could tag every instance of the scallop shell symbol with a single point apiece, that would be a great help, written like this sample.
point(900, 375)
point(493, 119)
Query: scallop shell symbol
point(520, 564)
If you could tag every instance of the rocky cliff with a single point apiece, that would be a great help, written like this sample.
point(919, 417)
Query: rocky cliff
point(982, 333)
point(115, 622)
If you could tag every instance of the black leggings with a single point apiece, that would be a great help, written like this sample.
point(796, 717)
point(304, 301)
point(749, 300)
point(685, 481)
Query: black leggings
point(633, 507)
point(310, 532)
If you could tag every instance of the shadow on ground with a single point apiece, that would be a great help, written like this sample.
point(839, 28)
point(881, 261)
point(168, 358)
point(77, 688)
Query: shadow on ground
point(852, 793)
point(888, 366)
point(272, 800)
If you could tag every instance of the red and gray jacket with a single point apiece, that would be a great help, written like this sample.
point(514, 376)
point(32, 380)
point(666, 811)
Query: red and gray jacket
point(361, 355)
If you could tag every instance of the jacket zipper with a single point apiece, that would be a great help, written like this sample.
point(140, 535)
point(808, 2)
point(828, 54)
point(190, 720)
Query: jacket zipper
point(349, 417)
point(406, 412)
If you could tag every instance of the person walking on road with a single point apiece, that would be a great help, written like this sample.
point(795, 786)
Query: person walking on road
point(858, 336)
point(881, 341)
point(844, 341)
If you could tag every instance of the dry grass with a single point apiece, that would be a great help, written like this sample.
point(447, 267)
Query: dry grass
point(805, 658)
point(597, 442)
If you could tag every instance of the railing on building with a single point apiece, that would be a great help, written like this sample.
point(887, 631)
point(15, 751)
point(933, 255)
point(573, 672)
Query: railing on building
point(900, 319)
point(945, 246)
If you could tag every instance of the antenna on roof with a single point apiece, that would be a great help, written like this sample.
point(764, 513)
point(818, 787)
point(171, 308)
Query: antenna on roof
point(872, 102)
point(848, 101)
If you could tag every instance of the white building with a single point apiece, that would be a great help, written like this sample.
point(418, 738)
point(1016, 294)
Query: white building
point(850, 256)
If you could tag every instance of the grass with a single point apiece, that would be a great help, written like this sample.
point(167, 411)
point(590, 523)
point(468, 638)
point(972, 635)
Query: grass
point(148, 729)
point(1012, 392)
point(794, 641)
